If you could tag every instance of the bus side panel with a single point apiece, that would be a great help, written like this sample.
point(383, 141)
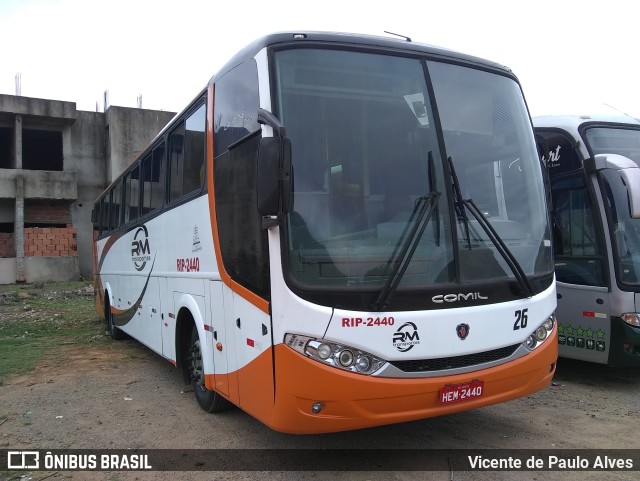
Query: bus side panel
point(134, 291)
point(253, 338)
point(584, 325)
point(168, 324)
point(220, 346)
point(242, 357)
point(145, 325)
point(248, 356)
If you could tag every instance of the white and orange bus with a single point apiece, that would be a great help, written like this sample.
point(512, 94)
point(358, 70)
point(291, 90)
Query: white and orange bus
point(340, 231)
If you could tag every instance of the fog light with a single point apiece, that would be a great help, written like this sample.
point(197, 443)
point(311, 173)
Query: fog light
point(316, 408)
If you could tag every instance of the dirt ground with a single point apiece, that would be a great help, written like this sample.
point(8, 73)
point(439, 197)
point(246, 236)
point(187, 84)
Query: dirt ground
point(121, 395)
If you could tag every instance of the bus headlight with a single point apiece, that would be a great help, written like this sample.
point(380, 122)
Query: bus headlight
point(337, 355)
point(631, 318)
point(541, 333)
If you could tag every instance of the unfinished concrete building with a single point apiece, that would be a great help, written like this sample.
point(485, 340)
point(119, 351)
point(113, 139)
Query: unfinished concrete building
point(54, 162)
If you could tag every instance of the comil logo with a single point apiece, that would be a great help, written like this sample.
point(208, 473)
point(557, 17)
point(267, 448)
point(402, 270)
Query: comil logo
point(140, 251)
point(470, 296)
point(406, 337)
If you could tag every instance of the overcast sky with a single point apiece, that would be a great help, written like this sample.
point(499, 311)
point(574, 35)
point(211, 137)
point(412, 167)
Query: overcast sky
point(570, 56)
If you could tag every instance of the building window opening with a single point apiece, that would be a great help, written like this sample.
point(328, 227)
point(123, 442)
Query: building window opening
point(6, 148)
point(42, 150)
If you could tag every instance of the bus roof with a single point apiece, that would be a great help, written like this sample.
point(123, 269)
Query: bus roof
point(337, 38)
point(572, 123)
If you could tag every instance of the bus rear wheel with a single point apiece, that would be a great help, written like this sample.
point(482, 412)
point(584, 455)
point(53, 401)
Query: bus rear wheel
point(210, 401)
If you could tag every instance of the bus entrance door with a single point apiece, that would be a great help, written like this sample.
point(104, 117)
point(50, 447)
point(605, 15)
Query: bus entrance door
point(253, 355)
point(220, 347)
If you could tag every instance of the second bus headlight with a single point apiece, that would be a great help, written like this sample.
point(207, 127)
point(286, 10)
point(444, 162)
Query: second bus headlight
point(631, 318)
point(334, 354)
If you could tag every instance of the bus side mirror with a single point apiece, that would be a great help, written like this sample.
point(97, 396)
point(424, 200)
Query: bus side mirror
point(274, 175)
point(630, 175)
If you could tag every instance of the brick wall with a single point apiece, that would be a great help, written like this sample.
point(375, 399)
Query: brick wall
point(7, 248)
point(50, 241)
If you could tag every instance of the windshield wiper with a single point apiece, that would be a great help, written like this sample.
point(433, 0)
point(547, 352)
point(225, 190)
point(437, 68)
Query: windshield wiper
point(409, 240)
point(459, 203)
point(462, 205)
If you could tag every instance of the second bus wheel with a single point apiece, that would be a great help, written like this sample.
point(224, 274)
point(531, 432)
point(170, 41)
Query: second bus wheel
point(115, 333)
point(209, 401)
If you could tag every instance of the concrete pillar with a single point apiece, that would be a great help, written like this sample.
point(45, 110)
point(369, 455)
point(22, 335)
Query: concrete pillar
point(18, 226)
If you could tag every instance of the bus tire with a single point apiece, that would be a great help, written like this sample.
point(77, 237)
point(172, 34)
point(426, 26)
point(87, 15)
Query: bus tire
point(209, 401)
point(114, 332)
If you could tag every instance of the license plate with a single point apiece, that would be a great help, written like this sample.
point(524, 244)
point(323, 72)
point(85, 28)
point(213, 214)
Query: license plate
point(452, 393)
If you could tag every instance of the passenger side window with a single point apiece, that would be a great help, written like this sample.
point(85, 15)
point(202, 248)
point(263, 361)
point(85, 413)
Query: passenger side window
point(187, 156)
point(104, 215)
point(131, 195)
point(152, 180)
point(116, 199)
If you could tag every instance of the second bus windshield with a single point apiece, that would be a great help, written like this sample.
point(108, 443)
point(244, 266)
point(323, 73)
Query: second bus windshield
point(625, 231)
point(370, 161)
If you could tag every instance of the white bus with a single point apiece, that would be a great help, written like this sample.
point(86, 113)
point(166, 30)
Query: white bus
point(595, 183)
point(340, 231)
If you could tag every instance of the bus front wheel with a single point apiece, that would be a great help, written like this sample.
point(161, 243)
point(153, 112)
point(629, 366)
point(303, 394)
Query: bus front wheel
point(210, 401)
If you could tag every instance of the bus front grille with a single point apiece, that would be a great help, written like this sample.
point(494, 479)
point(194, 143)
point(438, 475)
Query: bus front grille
point(443, 363)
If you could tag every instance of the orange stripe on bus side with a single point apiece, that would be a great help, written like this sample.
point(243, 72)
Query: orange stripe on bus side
point(242, 291)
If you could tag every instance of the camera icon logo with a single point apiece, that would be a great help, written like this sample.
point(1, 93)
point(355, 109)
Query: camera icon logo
point(23, 460)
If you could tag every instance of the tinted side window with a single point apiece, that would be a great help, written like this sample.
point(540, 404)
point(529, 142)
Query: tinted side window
point(131, 194)
point(187, 159)
point(236, 106)
point(116, 200)
point(152, 178)
point(104, 215)
point(577, 249)
point(243, 242)
point(194, 158)
point(176, 163)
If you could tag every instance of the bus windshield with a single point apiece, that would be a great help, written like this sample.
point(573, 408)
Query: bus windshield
point(625, 231)
point(377, 142)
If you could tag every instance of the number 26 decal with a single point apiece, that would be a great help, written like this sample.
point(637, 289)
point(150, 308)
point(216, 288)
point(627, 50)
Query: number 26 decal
point(521, 319)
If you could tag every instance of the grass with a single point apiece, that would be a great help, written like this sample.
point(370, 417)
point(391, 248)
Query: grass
point(35, 319)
